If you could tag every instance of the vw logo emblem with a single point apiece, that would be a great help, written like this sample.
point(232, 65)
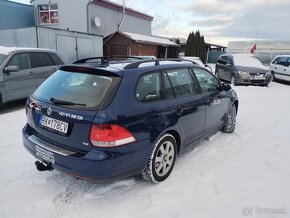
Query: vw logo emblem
point(49, 111)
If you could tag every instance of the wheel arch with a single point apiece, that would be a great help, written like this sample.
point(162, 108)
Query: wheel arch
point(176, 135)
point(236, 103)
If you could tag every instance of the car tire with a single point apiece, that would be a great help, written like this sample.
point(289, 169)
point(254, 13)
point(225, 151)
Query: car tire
point(265, 85)
point(273, 76)
point(233, 80)
point(161, 160)
point(1, 104)
point(230, 123)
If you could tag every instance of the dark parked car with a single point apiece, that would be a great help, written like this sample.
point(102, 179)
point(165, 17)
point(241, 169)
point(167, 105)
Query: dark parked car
point(242, 69)
point(22, 70)
point(105, 120)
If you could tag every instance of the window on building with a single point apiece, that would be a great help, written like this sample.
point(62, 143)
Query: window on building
point(48, 14)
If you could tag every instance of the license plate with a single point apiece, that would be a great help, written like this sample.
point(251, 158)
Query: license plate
point(261, 77)
point(44, 154)
point(53, 124)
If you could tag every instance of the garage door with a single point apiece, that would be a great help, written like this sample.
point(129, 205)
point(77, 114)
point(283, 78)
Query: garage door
point(66, 45)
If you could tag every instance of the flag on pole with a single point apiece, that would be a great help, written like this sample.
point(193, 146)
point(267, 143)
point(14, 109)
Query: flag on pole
point(253, 49)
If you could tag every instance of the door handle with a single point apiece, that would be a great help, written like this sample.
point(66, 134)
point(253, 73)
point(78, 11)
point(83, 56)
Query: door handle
point(179, 112)
point(31, 73)
point(284, 69)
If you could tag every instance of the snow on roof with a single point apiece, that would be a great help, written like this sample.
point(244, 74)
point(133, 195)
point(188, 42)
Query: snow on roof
point(149, 39)
point(6, 50)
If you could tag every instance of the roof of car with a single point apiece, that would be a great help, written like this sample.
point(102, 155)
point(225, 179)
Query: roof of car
point(239, 55)
point(130, 66)
point(6, 50)
point(283, 55)
point(243, 55)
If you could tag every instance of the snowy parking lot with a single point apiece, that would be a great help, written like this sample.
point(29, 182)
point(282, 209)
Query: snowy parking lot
point(244, 174)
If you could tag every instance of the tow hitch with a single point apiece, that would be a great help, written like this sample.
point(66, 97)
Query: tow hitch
point(42, 166)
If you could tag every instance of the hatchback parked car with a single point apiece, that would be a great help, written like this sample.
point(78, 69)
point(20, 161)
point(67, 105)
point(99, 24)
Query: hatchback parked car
point(105, 120)
point(242, 69)
point(280, 68)
point(22, 70)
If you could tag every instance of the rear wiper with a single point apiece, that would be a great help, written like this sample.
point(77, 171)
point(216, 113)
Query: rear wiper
point(62, 102)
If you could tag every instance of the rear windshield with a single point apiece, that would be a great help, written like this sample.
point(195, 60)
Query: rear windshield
point(81, 90)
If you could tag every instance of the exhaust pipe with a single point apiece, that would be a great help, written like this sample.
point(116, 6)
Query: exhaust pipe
point(42, 166)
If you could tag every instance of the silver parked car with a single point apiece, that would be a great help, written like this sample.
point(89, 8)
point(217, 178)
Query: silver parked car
point(22, 70)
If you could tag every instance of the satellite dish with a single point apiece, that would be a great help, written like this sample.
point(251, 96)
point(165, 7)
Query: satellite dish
point(97, 21)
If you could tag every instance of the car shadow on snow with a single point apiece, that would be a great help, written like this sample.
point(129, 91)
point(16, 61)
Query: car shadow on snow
point(12, 106)
point(71, 188)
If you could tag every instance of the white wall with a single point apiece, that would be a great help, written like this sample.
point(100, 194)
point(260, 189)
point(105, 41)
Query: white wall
point(73, 15)
point(110, 19)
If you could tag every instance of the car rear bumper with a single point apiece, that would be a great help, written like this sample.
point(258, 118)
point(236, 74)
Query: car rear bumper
point(97, 164)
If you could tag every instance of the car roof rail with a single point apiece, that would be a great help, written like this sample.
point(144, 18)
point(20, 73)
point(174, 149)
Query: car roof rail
point(190, 61)
point(156, 61)
point(103, 60)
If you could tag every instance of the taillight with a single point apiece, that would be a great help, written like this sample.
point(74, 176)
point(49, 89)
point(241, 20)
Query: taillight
point(110, 135)
point(34, 106)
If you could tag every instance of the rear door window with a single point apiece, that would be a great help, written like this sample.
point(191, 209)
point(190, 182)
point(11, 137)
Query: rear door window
point(78, 89)
point(49, 61)
point(56, 59)
point(148, 87)
point(181, 82)
point(222, 60)
point(38, 59)
point(22, 60)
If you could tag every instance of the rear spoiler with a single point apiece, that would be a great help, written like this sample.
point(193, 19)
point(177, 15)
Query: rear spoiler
point(89, 70)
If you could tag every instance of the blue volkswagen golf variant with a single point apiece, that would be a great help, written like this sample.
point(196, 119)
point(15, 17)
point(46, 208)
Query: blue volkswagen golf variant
point(101, 120)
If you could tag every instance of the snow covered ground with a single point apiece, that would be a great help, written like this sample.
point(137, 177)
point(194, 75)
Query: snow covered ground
point(246, 173)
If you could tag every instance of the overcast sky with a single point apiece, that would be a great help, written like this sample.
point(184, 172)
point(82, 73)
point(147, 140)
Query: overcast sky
point(218, 20)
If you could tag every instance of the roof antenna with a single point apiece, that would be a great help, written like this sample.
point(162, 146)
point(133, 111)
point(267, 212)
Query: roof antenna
point(123, 16)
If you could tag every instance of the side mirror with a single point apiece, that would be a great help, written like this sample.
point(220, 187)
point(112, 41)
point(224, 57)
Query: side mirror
point(226, 87)
point(12, 68)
